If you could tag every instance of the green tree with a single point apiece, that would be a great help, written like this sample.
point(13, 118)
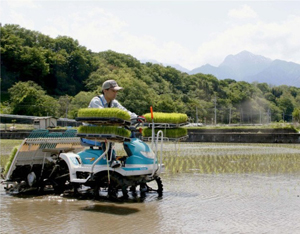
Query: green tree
point(136, 95)
point(240, 92)
point(61, 66)
point(285, 104)
point(48, 106)
point(33, 65)
point(65, 43)
point(296, 115)
point(64, 103)
point(28, 98)
point(81, 100)
point(165, 104)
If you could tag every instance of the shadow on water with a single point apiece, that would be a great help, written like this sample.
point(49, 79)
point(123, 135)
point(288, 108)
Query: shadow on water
point(111, 209)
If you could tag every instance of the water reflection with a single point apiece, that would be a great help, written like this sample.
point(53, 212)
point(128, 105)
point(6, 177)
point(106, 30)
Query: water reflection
point(226, 192)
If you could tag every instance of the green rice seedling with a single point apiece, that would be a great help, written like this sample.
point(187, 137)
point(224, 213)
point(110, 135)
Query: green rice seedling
point(6, 147)
point(173, 118)
point(10, 159)
point(104, 130)
point(104, 113)
point(167, 132)
point(213, 158)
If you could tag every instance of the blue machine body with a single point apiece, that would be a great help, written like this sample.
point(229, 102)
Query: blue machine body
point(138, 152)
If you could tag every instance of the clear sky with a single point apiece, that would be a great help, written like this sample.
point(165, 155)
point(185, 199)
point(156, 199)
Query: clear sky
point(189, 33)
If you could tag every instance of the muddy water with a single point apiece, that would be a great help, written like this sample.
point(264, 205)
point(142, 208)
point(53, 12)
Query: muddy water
point(198, 197)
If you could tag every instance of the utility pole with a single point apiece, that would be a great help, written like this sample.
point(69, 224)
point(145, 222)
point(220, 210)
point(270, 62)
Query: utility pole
point(260, 116)
point(215, 101)
point(196, 115)
point(229, 122)
point(241, 115)
point(67, 107)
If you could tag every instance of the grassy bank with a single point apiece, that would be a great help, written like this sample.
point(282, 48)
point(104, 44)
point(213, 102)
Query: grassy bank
point(11, 126)
point(294, 127)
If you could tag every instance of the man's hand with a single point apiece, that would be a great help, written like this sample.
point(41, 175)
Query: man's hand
point(141, 119)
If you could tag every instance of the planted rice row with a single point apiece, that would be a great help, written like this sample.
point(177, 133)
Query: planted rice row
point(231, 158)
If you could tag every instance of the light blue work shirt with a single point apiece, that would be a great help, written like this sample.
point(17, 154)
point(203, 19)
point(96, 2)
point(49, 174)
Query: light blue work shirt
point(100, 102)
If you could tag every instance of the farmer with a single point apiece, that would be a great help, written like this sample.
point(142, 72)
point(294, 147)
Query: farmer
point(107, 99)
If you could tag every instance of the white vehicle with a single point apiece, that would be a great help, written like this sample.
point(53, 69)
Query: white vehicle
point(81, 164)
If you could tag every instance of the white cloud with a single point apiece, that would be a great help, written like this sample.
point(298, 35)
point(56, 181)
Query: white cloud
point(281, 40)
point(99, 30)
point(242, 13)
point(169, 52)
point(21, 3)
point(273, 40)
point(12, 12)
point(18, 17)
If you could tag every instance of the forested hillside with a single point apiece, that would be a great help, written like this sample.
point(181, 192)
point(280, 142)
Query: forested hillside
point(46, 76)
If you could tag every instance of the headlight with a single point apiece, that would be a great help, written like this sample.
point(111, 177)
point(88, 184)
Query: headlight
point(148, 154)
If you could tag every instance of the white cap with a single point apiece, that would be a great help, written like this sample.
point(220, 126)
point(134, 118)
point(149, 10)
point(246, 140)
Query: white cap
point(111, 84)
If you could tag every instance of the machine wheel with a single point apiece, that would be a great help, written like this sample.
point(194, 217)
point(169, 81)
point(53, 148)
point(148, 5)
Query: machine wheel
point(61, 178)
point(132, 189)
point(110, 188)
point(156, 186)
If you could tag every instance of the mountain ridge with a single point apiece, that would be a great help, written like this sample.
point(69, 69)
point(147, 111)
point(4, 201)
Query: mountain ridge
point(249, 67)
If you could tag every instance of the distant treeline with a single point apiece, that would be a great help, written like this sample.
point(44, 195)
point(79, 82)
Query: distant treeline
point(46, 76)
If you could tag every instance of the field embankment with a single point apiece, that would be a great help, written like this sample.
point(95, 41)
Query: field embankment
point(238, 135)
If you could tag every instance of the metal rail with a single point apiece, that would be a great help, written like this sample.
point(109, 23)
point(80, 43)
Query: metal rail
point(155, 161)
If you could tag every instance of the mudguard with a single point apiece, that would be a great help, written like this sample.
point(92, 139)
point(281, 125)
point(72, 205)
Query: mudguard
point(74, 163)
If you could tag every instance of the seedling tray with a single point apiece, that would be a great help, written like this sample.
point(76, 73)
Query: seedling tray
point(103, 121)
point(183, 138)
point(165, 125)
point(103, 137)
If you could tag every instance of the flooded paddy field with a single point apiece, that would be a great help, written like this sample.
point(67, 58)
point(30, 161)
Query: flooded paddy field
point(208, 188)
